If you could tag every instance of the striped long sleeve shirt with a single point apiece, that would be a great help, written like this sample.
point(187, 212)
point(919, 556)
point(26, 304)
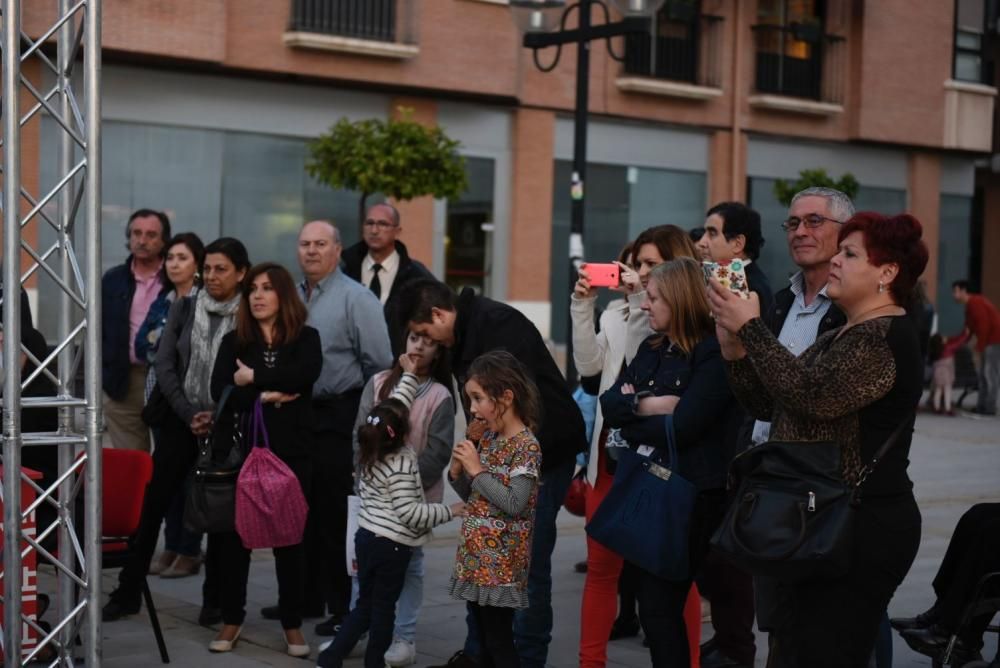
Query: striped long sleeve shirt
point(392, 501)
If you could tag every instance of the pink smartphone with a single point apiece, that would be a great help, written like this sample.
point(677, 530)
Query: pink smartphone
point(731, 274)
point(603, 275)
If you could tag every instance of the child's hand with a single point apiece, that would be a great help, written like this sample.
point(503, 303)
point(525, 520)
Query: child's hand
point(627, 388)
point(408, 363)
point(455, 469)
point(468, 456)
point(459, 510)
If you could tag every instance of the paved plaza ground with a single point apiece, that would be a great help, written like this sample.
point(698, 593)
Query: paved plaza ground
point(955, 463)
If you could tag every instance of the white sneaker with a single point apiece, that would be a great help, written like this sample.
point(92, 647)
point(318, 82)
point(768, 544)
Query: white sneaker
point(401, 653)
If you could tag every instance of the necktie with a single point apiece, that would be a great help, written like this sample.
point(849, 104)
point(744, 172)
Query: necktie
point(376, 284)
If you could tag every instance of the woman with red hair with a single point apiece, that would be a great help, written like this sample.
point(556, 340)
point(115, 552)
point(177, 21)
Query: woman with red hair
point(854, 386)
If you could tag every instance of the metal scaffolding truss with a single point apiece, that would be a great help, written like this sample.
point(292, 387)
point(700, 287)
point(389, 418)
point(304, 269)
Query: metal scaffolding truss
point(67, 47)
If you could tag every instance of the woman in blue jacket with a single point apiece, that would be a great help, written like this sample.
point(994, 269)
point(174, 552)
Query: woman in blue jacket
point(677, 376)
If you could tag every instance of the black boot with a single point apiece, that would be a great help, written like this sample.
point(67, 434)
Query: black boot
point(922, 621)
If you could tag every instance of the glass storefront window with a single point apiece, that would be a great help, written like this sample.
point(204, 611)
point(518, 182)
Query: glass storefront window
point(953, 259)
point(468, 242)
point(212, 182)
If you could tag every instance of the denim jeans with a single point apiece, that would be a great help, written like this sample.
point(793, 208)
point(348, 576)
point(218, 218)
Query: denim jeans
point(533, 625)
point(382, 565)
point(408, 606)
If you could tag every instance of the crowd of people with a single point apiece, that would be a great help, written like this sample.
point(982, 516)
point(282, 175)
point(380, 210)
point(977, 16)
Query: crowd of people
point(354, 369)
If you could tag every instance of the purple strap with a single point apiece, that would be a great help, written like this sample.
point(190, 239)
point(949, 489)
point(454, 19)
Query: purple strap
point(257, 428)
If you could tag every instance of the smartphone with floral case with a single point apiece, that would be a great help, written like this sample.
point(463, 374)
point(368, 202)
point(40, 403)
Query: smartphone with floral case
point(731, 274)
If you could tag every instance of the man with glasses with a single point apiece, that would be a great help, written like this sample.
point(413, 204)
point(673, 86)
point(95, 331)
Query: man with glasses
point(381, 263)
point(800, 313)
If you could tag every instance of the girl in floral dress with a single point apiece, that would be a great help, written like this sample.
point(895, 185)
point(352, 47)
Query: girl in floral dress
point(499, 481)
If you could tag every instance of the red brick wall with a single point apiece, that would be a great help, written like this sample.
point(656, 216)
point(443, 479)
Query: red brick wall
point(900, 57)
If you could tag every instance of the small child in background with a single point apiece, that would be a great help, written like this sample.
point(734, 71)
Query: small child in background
point(394, 519)
point(499, 480)
point(941, 352)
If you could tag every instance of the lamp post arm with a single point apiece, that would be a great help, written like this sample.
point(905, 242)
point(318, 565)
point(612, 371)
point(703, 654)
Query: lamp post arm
point(540, 40)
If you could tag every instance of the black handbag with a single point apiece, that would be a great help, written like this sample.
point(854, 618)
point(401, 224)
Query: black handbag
point(792, 516)
point(646, 516)
point(211, 500)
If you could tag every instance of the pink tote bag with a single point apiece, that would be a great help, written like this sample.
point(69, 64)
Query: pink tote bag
point(271, 509)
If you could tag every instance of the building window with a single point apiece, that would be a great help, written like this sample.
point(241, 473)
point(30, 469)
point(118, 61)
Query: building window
point(683, 45)
point(795, 56)
point(970, 28)
point(362, 19)
point(468, 243)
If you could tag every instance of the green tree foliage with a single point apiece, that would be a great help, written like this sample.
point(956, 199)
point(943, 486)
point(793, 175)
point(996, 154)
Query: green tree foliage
point(398, 157)
point(811, 178)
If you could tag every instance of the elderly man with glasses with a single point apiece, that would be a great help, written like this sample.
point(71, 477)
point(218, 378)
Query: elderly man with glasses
point(382, 264)
point(800, 313)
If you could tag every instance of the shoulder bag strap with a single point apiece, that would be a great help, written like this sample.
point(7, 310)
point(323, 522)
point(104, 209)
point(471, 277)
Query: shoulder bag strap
point(897, 432)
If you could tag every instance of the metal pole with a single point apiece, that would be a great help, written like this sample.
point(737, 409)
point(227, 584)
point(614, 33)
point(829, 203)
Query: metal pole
point(12, 333)
point(92, 350)
point(579, 179)
point(67, 592)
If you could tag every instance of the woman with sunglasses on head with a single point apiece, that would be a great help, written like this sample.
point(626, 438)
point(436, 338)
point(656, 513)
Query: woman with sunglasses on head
point(273, 356)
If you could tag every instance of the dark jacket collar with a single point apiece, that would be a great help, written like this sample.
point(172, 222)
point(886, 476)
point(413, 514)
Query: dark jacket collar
point(465, 307)
point(353, 256)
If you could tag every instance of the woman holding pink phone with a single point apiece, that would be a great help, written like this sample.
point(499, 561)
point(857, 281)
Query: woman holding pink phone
point(623, 327)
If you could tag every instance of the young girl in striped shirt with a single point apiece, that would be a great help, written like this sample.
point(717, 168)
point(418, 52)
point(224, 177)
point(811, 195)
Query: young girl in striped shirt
point(394, 519)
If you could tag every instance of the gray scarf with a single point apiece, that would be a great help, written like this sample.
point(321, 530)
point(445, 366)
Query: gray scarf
point(205, 346)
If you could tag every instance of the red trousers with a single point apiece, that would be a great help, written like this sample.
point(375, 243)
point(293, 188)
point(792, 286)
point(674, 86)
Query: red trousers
point(600, 591)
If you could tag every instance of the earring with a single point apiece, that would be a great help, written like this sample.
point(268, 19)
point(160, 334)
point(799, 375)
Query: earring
point(881, 287)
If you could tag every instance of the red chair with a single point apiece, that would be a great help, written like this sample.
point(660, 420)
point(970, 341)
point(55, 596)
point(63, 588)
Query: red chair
point(125, 476)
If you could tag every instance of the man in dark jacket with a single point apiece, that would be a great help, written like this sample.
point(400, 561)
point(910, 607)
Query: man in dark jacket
point(469, 326)
point(801, 312)
point(127, 291)
point(732, 231)
point(381, 263)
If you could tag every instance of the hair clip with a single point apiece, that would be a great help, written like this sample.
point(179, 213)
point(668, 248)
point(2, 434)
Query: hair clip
point(373, 420)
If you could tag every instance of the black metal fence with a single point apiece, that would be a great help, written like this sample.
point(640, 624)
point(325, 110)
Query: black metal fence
point(799, 60)
point(682, 50)
point(363, 19)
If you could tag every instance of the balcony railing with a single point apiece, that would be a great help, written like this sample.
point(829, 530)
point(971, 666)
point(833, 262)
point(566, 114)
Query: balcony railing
point(361, 19)
point(687, 51)
point(799, 60)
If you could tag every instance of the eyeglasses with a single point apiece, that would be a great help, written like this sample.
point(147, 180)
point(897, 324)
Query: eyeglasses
point(812, 220)
point(380, 224)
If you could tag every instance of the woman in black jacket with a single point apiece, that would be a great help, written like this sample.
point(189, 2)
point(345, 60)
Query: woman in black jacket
point(677, 376)
point(274, 356)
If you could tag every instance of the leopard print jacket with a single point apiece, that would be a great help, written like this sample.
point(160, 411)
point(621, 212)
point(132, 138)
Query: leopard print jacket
point(818, 395)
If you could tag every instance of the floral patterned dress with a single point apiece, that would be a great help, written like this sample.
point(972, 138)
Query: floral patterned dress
point(491, 566)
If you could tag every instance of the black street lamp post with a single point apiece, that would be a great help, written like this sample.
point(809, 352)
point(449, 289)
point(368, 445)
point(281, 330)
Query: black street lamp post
point(537, 18)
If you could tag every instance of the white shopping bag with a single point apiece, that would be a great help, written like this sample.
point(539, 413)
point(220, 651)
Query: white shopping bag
point(353, 510)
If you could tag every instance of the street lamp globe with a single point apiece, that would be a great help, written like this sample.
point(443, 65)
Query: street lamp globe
point(537, 15)
point(644, 8)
